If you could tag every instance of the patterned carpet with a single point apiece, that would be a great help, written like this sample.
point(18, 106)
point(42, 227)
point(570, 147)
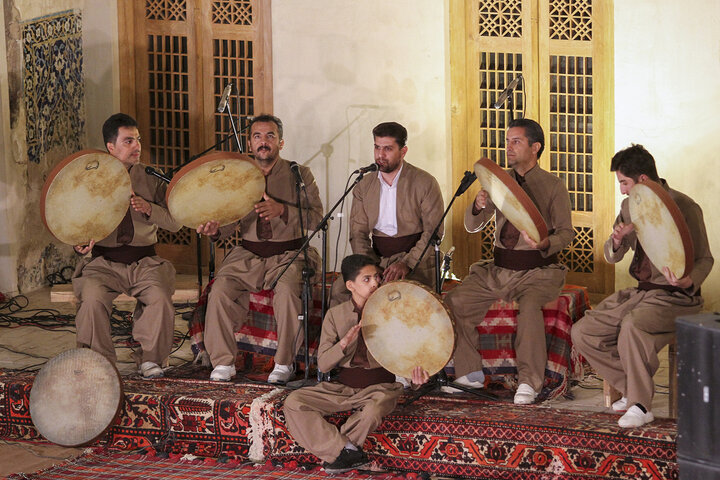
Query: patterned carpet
point(107, 465)
point(454, 436)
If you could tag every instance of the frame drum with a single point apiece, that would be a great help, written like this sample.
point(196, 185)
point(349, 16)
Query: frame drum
point(85, 197)
point(405, 324)
point(75, 397)
point(221, 186)
point(511, 199)
point(661, 228)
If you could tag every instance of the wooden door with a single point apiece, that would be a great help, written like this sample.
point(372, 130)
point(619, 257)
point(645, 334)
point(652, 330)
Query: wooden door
point(563, 49)
point(177, 57)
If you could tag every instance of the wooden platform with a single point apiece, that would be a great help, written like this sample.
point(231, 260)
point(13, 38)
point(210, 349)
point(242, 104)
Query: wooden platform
point(185, 292)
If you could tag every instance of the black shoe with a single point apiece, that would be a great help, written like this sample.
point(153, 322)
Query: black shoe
point(346, 461)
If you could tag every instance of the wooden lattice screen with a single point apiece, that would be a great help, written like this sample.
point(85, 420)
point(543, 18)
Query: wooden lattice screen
point(180, 55)
point(563, 49)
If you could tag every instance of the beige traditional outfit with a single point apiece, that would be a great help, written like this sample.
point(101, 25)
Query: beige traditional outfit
point(622, 336)
point(125, 262)
point(266, 247)
point(363, 385)
point(529, 276)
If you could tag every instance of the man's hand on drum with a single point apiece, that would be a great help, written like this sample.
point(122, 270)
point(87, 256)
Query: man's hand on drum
point(481, 199)
point(619, 233)
point(350, 336)
point(684, 282)
point(269, 208)
point(141, 205)
point(84, 249)
point(209, 228)
point(541, 245)
point(396, 271)
point(419, 376)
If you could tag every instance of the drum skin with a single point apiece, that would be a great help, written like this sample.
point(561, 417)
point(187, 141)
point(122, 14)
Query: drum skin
point(75, 397)
point(661, 228)
point(405, 324)
point(85, 197)
point(511, 199)
point(221, 186)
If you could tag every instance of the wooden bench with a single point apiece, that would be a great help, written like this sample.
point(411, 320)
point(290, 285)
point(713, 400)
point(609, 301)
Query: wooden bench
point(611, 395)
point(185, 292)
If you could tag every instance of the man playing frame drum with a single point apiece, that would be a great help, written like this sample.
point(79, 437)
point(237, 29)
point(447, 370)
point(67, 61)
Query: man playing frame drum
point(523, 269)
point(270, 237)
point(622, 336)
point(125, 262)
point(362, 384)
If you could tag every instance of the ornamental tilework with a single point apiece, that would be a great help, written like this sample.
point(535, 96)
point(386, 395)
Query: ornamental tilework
point(53, 84)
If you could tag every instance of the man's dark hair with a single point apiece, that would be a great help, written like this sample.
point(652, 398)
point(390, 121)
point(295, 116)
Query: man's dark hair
point(266, 117)
point(533, 132)
point(634, 161)
point(112, 125)
point(352, 264)
point(391, 129)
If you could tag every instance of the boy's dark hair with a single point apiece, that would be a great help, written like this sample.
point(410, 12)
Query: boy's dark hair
point(391, 129)
point(634, 161)
point(266, 117)
point(352, 264)
point(112, 125)
point(533, 132)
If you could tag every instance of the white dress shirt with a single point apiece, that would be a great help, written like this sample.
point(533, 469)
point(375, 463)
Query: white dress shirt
point(387, 216)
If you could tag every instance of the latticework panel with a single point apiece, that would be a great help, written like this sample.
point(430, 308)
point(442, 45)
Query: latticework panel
point(500, 18)
point(487, 240)
point(579, 257)
point(232, 12)
point(571, 127)
point(497, 70)
point(233, 62)
point(229, 242)
point(173, 10)
point(169, 104)
point(571, 20)
point(183, 237)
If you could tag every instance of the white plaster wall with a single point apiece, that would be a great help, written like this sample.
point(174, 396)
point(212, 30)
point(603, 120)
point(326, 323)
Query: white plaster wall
point(341, 67)
point(667, 65)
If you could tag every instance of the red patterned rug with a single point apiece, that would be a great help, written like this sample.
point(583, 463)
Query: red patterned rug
point(454, 436)
point(108, 465)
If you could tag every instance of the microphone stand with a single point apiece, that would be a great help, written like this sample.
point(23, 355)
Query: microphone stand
point(322, 226)
point(441, 379)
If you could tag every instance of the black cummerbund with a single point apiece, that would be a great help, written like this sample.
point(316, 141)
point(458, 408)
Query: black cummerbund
point(126, 254)
point(389, 246)
point(270, 249)
point(356, 377)
point(522, 259)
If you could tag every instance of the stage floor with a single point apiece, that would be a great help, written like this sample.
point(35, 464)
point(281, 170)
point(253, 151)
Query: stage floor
point(28, 347)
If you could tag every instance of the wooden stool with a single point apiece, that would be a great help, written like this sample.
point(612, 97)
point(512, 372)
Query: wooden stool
point(185, 292)
point(610, 394)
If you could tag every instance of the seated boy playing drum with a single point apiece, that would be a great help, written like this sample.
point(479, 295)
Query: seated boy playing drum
point(362, 384)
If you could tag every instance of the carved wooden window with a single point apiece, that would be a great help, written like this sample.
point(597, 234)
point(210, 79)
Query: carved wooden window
point(562, 50)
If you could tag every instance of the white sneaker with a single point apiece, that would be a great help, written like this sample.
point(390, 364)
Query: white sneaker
point(404, 381)
point(223, 373)
point(151, 370)
point(524, 395)
point(620, 405)
point(634, 417)
point(466, 382)
point(281, 374)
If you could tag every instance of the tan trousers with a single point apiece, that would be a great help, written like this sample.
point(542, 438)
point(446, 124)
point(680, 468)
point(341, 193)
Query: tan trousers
point(425, 274)
point(487, 283)
point(151, 281)
point(622, 336)
point(305, 410)
point(227, 310)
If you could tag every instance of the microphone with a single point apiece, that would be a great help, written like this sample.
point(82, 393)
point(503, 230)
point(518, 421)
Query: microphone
point(151, 171)
point(370, 168)
point(465, 183)
point(506, 93)
point(296, 170)
point(222, 105)
point(448, 257)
